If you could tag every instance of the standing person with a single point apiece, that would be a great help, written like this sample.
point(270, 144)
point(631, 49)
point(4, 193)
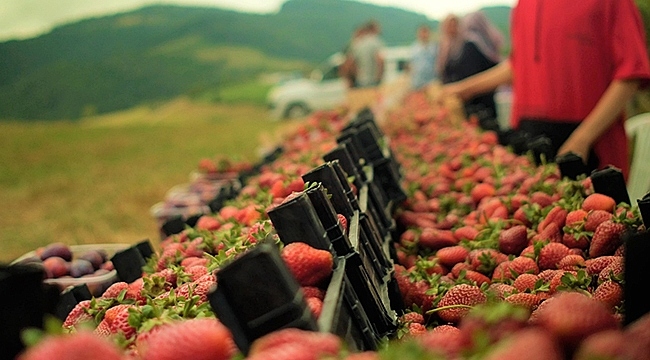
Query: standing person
point(422, 65)
point(474, 45)
point(573, 68)
point(366, 51)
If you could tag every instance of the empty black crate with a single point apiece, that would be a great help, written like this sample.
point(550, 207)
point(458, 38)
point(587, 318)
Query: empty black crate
point(328, 175)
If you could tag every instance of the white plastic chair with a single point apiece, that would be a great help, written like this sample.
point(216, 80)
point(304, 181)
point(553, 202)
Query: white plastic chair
point(638, 130)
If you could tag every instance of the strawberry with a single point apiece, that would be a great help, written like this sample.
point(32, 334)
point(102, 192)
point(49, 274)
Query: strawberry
point(551, 254)
point(502, 272)
point(485, 260)
point(575, 240)
point(610, 293)
point(571, 262)
point(557, 280)
point(529, 343)
point(116, 320)
point(114, 290)
point(317, 343)
point(476, 277)
point(513, 240)
point(501, 290)
point(541, 198)
point(608, 344)
point(200, 339)
point(595, 266)
point(412, 317)
point(481, 191)
point(550, 233)
point(556, 215)
point(613, 271)
point(445, 329)
point(523, 265)
point(78, 315)
point(418, 294)
point(313, 291)
point(607, 237)
point(637, 336)
point(459, 299)
point(575, 217)
point(595, 218)
point(416, 329)
point(309, 265)
point(523, 299)
point(451, 255)
point(525, 282)
point(343, 221)
point(465, 233)
point(447, 344)
point(78, 346)
point(456, 269)
point(434, 239)
point(548, 274)
point(598, 201)
point(207, 222)
point(201, 288)
point(315, 305)
point(571, 317)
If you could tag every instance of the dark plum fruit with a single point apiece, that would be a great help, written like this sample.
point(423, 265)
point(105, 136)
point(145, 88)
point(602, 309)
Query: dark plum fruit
point(57, 249)
point(94, 256)
point(56, 267)
point(81, 267)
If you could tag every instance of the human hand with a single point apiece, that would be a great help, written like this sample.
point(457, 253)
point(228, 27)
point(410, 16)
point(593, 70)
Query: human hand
point(453, 89)
point(577, 146)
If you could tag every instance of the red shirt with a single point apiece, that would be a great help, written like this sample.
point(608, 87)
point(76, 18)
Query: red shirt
point(565, 55)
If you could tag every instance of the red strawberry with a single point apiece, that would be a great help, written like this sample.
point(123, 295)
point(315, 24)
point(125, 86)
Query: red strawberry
point(309, 265)
point(608, 344)
point(523, 265)
point(476, 277)
point(637, 335)
point(547, 274)
point(116, 320)
point(318, 343)
point(434, 239)
point(525, 282)
point(595, 266)
point(575, 217)
point(481, 191)
point(201, 288)
point(607, 237)
point(78, 314)
point(502, 272)
point(315, 305)
point(595, 218)
point(207, 222)
point(445, 328)
point(513, 240)
point(571, 262)
point(78, 346)
point(550, 233)
point(451, 255)
point(465, 233)
point(485, 260)
point(115, 289)
point(416, 329)
point(571, 317)
point(200, 339)
point(459, 298)
point(541, 198)
point(343, 221)
point(502, 290)
point(551, 254)
point(456, 269)
point(610, 293)
point(447, 344)
point(575, 240)
point(313, 291)
point(556, 281)
point(412, 317)
point(530, 344)
point(613, 271)
point(417, 295)
point(598, 201)
point(526, 300)
point(557, 215)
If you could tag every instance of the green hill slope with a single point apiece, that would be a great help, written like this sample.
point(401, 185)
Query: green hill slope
point(156, 53)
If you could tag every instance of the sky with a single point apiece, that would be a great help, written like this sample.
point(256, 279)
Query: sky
point(22, 19)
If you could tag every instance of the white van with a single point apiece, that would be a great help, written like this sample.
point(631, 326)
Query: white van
point(325, 89)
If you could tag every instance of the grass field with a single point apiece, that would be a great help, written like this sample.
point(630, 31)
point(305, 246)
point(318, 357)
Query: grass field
point(94, 180)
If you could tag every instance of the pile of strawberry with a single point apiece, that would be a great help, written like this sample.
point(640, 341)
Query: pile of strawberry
point(495, 256)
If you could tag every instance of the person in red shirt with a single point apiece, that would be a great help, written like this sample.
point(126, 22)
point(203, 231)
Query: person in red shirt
point(574, 65)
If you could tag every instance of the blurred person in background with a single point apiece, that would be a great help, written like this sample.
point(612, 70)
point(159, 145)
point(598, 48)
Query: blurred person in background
point(366, 52)
point(573, 68)
point(472, 44)
point(422, 65)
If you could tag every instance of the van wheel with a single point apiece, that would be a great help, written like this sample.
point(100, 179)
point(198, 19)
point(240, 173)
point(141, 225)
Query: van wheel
point(296, 110)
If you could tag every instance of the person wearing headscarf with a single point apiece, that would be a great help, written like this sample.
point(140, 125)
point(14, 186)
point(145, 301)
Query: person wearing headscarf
point(471, 45)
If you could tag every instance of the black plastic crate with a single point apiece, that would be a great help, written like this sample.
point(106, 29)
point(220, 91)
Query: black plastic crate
point(328, 175)
point(610, 181)
point(344, 315)
point(389, 179)
point(297, 220)
point(318, 196)
point(256, 294)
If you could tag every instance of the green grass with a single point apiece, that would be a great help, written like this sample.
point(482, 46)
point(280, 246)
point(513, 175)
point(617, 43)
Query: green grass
point(94, 181)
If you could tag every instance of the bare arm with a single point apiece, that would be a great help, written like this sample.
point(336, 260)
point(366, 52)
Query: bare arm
point(482, 82)
point(603, 115)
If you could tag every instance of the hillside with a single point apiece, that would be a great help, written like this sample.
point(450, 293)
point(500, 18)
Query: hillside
point(159, 52)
